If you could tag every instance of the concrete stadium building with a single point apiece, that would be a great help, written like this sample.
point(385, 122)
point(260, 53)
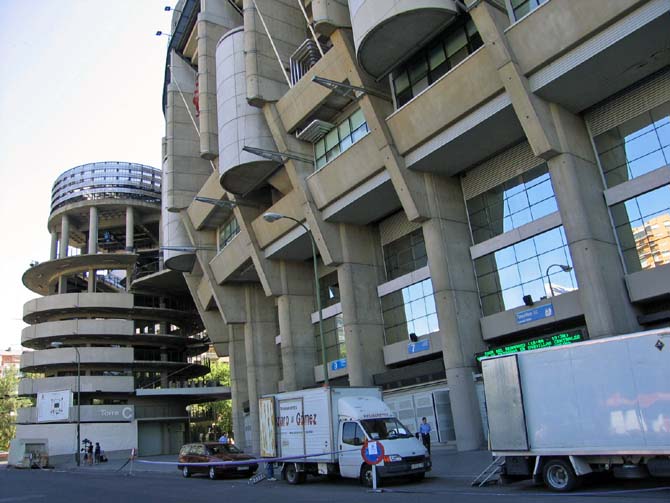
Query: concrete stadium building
point(475, 175)
point(111, 325)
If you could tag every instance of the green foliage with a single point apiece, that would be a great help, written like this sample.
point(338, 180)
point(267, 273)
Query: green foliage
point(220, 412)
point(9, 404)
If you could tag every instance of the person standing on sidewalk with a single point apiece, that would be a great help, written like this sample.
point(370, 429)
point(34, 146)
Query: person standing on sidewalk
point(424, 429)
point(96, 453)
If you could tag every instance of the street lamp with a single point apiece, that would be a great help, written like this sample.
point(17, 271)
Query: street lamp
point(566, 268)
point(273, 217)
point(58, 344)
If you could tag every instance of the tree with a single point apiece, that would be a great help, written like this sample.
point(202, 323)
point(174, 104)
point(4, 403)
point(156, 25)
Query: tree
point(221, 411)
point(9, 404)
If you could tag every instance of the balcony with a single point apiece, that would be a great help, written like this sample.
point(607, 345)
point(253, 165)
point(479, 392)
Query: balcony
point(233, 263)
point(385, 32)
point(89, 384)
point(576, 55)
point(38, 361)
point(38, 336)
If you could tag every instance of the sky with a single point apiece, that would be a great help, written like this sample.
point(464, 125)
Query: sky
point(80, 81)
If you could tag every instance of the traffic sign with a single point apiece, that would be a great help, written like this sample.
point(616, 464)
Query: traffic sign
point(372, 452)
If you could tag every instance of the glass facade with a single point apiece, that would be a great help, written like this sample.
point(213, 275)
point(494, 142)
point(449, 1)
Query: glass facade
point(522, 7)
point(405, 255)
point(228, 232)
point(410, 310)
point(333, 334)
point(440, 56)
point(340, 138)
point(636, 147)
point(505, 276)
point(512, 204)
point(642, 225)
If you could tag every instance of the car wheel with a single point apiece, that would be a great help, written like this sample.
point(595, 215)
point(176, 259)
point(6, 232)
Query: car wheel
point(185, 472)
point(559, 476)
point(292, 475)
point(212, 473)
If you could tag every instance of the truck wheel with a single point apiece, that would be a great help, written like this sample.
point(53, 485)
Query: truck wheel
point(366, 476)
point(292, 475)
point(559, 476)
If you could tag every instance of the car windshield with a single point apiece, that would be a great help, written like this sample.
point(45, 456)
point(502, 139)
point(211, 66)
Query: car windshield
point(223, 449)
point(385, 428)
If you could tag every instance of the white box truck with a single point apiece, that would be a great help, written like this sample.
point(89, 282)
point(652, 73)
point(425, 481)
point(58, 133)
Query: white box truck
point(330, 426)
point(560, 413)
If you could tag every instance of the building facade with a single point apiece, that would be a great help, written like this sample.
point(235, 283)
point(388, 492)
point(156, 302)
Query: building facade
point(113, 332)
point(474, 175)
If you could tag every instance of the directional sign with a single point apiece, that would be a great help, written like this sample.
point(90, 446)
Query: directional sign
point(372, 452)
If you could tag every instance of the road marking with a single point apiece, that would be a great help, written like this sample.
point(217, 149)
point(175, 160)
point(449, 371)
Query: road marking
point(22, 498)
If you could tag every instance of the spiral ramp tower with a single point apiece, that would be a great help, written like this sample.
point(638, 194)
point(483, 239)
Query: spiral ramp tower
point(111, 325)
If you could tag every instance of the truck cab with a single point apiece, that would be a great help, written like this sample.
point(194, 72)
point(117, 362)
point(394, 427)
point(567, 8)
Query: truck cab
point(368, 418)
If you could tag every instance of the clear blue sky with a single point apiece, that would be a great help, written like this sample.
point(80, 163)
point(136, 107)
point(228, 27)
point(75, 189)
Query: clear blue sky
point(81, 81)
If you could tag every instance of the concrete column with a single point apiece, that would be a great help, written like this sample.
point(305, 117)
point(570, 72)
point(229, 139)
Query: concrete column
point(238, 382)
point(93, 230)
point(53, 252)
point(164, 373)
point(260, 331)
point(579, 189)
point(447, 237)
point(358, 278)
point(295, 325)
point(91, 280)
point(64, 236)
point(130, 229)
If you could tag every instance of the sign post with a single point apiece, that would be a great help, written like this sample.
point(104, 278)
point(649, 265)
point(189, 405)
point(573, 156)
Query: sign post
point(373, 454)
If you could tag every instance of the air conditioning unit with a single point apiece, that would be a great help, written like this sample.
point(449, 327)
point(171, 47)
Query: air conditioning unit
point(316, 130)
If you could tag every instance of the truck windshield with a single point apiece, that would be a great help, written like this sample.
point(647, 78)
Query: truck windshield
point(385, 428)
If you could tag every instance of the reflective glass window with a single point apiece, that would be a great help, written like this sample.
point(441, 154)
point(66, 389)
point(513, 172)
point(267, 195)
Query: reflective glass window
point(642, 225)
point(516, 202)
point(405, 255)
point(638, 146)
point(333, 334)
point(228, 232)
point(505, 276)
point(340, 138)
point(410, 310)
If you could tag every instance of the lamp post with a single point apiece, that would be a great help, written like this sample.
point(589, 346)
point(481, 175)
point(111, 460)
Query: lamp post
point(58, 344)
point(566, 268)
point(273, 217)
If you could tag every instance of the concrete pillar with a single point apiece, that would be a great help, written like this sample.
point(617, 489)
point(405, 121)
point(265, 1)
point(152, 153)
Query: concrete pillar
point(91, 280)
point(93, 230)
point(295, 325)
point(595, 255)
point(260, 331)
point(64, 236)
point(358, 278)
point(53, 252)
point(238, 381)
point(164, 373)
point(447, 238)
point(130, 229)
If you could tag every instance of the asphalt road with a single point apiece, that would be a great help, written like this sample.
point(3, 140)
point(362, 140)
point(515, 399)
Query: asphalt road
point(103, 487)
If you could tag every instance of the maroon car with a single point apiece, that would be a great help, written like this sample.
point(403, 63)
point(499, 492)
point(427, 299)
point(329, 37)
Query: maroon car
point(207, 452)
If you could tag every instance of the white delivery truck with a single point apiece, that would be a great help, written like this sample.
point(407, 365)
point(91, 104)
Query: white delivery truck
point(560, 413)
point(330, 426)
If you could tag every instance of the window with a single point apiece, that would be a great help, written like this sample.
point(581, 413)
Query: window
point(228, 232)
point(520, 8)
point(441, 55)
point(333, 333)
point(505, 276)
point(352, 434)
point(405, 255)
point(518, 201)
point(340, 138)
point(329, 289)
point(410, 310)
point(636, 147)
point(644, 242)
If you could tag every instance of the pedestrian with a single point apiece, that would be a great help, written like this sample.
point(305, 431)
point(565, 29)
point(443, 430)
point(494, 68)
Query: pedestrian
point(89, 453)
point(270, 471)
point(424, 429)
point(223, 439)
point(96, 453)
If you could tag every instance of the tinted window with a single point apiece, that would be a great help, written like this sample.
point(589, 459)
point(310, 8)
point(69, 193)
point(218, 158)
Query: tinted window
point(352, 434)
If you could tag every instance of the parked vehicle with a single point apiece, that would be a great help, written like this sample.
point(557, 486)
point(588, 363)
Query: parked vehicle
point(560, 413)
point(330, 425)
point(207, 452)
